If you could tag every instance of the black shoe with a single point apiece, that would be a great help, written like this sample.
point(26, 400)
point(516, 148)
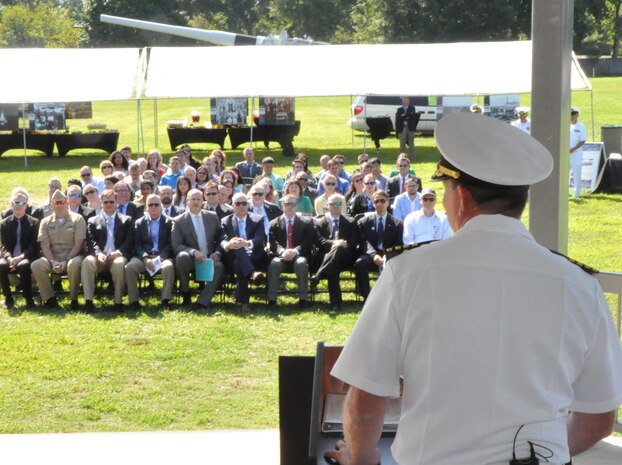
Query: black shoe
point(118, 307)
point(271, 303)
point(185, 299)
point(74, 305)
point(30, 302)
point(335, 307)
point(314, 280)
point(197, 306)
point(9, 302)
point(166, 305)
point(57, 286)
point(51, 303)
point(89, 307)
point(136, 305)
point(258, 277)
point(302, 303)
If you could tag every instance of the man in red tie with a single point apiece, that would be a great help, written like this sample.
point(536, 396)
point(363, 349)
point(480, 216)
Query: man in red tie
point(397, 184)
point(291, 238)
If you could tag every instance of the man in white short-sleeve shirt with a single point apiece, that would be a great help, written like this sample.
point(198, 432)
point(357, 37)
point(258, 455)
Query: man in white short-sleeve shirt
point(495, 336)
point(426, 224)
point(578, 137)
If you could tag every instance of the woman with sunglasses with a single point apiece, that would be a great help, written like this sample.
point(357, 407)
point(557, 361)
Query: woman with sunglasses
point(303, 202)
point(91, 194)
point(321, 202)
point(362, 201)
point(106, 168)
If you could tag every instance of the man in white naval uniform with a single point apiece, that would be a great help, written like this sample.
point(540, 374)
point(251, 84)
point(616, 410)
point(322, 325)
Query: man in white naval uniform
point(578, 137)
point(523, 122)
point(426, 224)
point(494, 336)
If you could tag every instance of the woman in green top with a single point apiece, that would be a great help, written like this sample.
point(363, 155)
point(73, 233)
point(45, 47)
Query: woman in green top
point(304, 203)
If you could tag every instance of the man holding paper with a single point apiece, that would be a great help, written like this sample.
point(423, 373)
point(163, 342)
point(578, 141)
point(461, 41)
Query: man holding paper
point(196, 237)
point(153, 252)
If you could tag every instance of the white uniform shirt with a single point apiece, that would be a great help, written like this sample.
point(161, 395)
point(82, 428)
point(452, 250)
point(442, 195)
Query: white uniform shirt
point(578, 133)
point(525, 127)
point(420, 228)
point(490, 331)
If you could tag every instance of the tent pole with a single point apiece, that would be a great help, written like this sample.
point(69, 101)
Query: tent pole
point(592, 105)
point(251, 121)
point(24, 135)
point(155, 121)
point(351, 116)
point(138, 118)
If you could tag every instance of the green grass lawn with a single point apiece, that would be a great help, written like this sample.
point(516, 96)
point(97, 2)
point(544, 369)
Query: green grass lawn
point(178, 370)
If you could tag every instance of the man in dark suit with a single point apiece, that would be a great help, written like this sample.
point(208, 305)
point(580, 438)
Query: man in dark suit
point(31, 210)
point(398, 184)
point(249, 168)
point(338, 239)
point(379, 231)
point(406, 120)
point(74, 200)
point(153, 251)
point(18, 248)
point(196, 236)
point(244, 241)
point(125, 206)
point(211, 201)
point(166, 198)
point(109, 244)
point(307, 190)
point(291, 238)
point(267, 210)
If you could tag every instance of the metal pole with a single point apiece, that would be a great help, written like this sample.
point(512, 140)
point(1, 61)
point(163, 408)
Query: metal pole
point(24, 135)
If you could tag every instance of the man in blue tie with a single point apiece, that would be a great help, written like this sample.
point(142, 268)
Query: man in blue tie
point(244, 241)
point(337, 237)
point(379, 231)
point(249, 168)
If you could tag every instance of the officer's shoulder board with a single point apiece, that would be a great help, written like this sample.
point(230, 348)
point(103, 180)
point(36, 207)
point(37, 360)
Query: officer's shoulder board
point(392, 252)
point(588, 269)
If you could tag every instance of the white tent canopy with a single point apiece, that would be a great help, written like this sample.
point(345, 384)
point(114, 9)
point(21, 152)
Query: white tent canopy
point(473, 68)
point(68, 75)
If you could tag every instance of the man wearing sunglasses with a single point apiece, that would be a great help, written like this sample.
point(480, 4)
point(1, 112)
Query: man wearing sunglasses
point(61, 237)
point(337, 237)
point(153, 252)
point(398, 184)
point(426, 224)
point(18, 248)
point(109, 245)
point(74, 199)
point(488, 322)
point(291, 239)
point(244, 240)
point(86, 176)
point(379, 231)
point(267, 210)
point(212, 198)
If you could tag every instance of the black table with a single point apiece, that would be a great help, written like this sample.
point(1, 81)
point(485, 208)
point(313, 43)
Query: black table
point(282, 133)
point(179, 136)
point(15, 140)
point(610, 178)
point(106, 141)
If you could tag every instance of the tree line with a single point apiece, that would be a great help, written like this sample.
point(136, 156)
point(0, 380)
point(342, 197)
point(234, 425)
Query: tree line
point(75, 23)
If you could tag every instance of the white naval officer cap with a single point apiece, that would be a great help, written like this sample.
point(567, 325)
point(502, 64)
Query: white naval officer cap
point(519, 110)
point(484, 151)
point(574, 111)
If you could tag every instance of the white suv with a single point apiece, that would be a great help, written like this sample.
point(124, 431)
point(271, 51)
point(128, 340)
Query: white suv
point(431, 108)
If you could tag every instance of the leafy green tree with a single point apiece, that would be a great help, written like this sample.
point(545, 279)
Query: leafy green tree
point(41, 24)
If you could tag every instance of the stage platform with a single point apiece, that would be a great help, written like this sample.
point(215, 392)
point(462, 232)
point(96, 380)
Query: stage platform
point(243, 447)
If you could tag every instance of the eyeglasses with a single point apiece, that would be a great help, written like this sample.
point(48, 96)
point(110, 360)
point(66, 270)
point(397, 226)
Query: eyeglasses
point(258, 194)
point(211, 194)
point(341, 162)
point(302, 179)
point(289, 204)
point(336, 203)
point(380, 201)
point(240, 204)
point(153, 204)
point(330, 183)
point(108, 202)
point(86, 175)
point(18, 203)
point(370, 183)
point(428, 199)
point(74, 196)
point(58, 203)
point(89, 192)
point(122, 190)
point(359, 180)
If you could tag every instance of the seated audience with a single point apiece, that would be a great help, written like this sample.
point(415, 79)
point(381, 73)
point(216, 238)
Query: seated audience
point(267, 210)
point(328, 188)
point(304, 204)
point(221, 158)
point(154, 163)
point(356, 186)
point(376, 170)
point(303, 179)
point(91, 193)
point(133, 179)
point(409, 201)
point(54, 185)
point(74, 200)
point(61, 238)
point(397, 184)
point(341, 186)
point(249, 168)
point(153, 252)
point(166, 198)
point(426, 224)
point(106, 169)
point(291, 239)
point(126, 151)
point(324, 159)
point(110, 240)
point(362, 203)
point(184, 184)
point(173, 173)
point(267, 165)
point(86, 175)
point(379, 231)
point(18, 248)
point(212, 201)
point(196, 236)
point(119, 162)
point(188, 160)
point(30, 209)
point(125, 206)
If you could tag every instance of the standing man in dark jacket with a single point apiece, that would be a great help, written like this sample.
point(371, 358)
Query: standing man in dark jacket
point(405, 124)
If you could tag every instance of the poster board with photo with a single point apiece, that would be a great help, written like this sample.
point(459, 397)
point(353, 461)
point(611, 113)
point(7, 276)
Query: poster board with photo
point(593, 159)
point(47, 117)
point(229, 111)
point(9, 117)
point(79, 110)
point(277, 110)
